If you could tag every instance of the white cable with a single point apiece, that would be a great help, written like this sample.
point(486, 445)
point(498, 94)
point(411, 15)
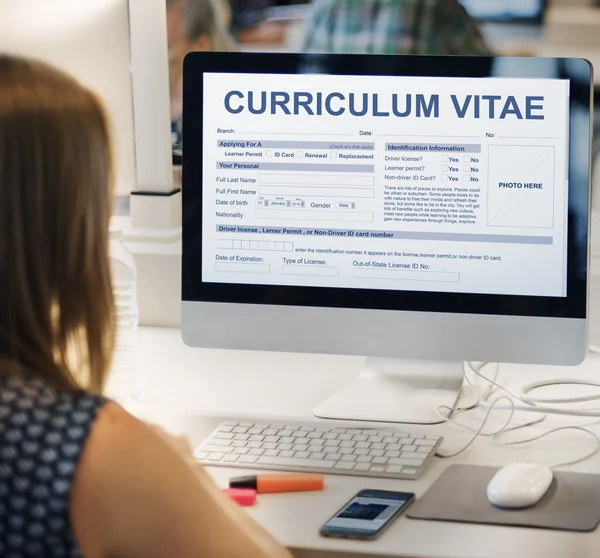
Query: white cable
point(478, 432)
point(505, 428)
point(554, 431)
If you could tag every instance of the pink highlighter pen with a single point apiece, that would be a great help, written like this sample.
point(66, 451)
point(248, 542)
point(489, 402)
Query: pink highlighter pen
point(243, 496)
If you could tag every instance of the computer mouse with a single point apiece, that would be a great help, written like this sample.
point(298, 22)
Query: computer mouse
point(519, 485)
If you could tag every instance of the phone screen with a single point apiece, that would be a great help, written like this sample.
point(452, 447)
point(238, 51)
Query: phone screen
point(367, 513)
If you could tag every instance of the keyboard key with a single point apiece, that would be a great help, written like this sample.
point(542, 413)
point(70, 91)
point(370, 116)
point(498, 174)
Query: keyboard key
point(249, 459)
point(405, 441)
point(293, 462)
point(240, 430)
point(215, 456)
point(333, 456)
point(246, 424)
point(376, 453)
point(255, 431)
point(241, 451)
point(348, 458)
point(287, 440)
point(254, 445)
point(425, 443)
point(315, 434)
point(202, 455)
point(330, 436)
point(359, 438)
point(302, 447)
point(300, 434)
point(257, 438)
point(405, 462)
point(285, 432)
point(319, 455)
point(218, 442)
point(362, 467)
point(394, 447)
point(344, 437)
point(361, 451)
point(302, 454)
point(239, 444)
point(379, 446)
point(377, 469)
point(286, 453)
point(392, 454)
point(284, 447)
point(380, 460)
point(412, 455)
point(270, 432)
point(223, 436)
point(228, 424)
point(333, 443)
point(272, 453)
point(394, 469)
point(272, 438)
point(269, 445)
point(256, 452)
point(435, 438)
point(232, 458)
point(364, 459)
point(423, 449)
point(345, 444)
point(375, 439)
point(315, 442)
point(345, 451)
point(390, 440)
point(344, 465)
point(353, 431)
point(411, 448)
point(407, 471)
point(363, 445)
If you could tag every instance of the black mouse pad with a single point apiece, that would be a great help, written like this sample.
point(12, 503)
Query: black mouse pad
point(571, 504)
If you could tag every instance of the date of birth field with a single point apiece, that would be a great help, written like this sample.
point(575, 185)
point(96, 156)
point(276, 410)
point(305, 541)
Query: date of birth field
point(266, 245)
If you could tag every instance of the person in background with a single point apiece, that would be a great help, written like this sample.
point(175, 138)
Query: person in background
point(192, 25)
point(249, 23)
point(79, 476)
point(392, 27)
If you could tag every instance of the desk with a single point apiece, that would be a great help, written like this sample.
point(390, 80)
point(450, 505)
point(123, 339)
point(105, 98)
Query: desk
point(187, 386)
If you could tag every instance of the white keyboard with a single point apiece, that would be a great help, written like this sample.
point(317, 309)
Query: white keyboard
point(346, 451)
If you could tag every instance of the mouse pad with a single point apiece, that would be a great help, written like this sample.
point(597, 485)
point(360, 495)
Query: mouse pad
point(571, 504)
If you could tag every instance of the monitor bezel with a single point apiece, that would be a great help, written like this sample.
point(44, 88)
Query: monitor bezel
point(194, 289)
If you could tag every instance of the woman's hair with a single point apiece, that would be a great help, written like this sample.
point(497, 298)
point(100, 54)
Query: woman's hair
point(56, 302)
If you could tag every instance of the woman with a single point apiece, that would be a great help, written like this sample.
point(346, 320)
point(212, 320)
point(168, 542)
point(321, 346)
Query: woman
point(78, 475)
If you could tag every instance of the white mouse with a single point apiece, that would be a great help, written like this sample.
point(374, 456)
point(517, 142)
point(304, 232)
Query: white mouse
point(519, 485)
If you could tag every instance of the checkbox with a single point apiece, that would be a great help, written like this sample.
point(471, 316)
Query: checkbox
point(467, 168)
point(237, 244)
point(467, 178)
point(280, 246)
point(254, 245)
point(245, 245)
point(289, 247)
point(468, 159)
point(262, 245)
point(333, 155)
point(299, 154)
point(444, 178)
point(444, 158)
point(444, 168)
point(269, 153)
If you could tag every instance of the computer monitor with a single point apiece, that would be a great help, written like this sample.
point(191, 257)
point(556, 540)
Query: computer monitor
point(117, 48)
point(419, 211)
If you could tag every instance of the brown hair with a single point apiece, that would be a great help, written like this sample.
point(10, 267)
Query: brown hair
point(56, 303)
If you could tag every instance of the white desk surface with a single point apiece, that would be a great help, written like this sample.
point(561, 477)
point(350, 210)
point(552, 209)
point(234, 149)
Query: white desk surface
point(185, 389)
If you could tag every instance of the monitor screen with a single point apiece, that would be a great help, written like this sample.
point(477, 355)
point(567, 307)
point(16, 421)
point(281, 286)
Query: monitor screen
point(505, 10)
point(425, 184)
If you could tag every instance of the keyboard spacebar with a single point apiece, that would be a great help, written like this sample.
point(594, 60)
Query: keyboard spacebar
point(291, 462)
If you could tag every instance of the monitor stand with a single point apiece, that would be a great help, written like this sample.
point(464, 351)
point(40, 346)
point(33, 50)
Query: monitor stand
point(397, 390)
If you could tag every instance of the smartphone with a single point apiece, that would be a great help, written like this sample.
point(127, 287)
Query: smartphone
point(367, 514)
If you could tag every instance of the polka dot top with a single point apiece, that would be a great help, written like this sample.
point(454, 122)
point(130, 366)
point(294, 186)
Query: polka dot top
point(42, 433)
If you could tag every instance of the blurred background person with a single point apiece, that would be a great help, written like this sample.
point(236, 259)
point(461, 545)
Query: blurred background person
point(392, 27)
point(192, 25)
point(250, 25)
